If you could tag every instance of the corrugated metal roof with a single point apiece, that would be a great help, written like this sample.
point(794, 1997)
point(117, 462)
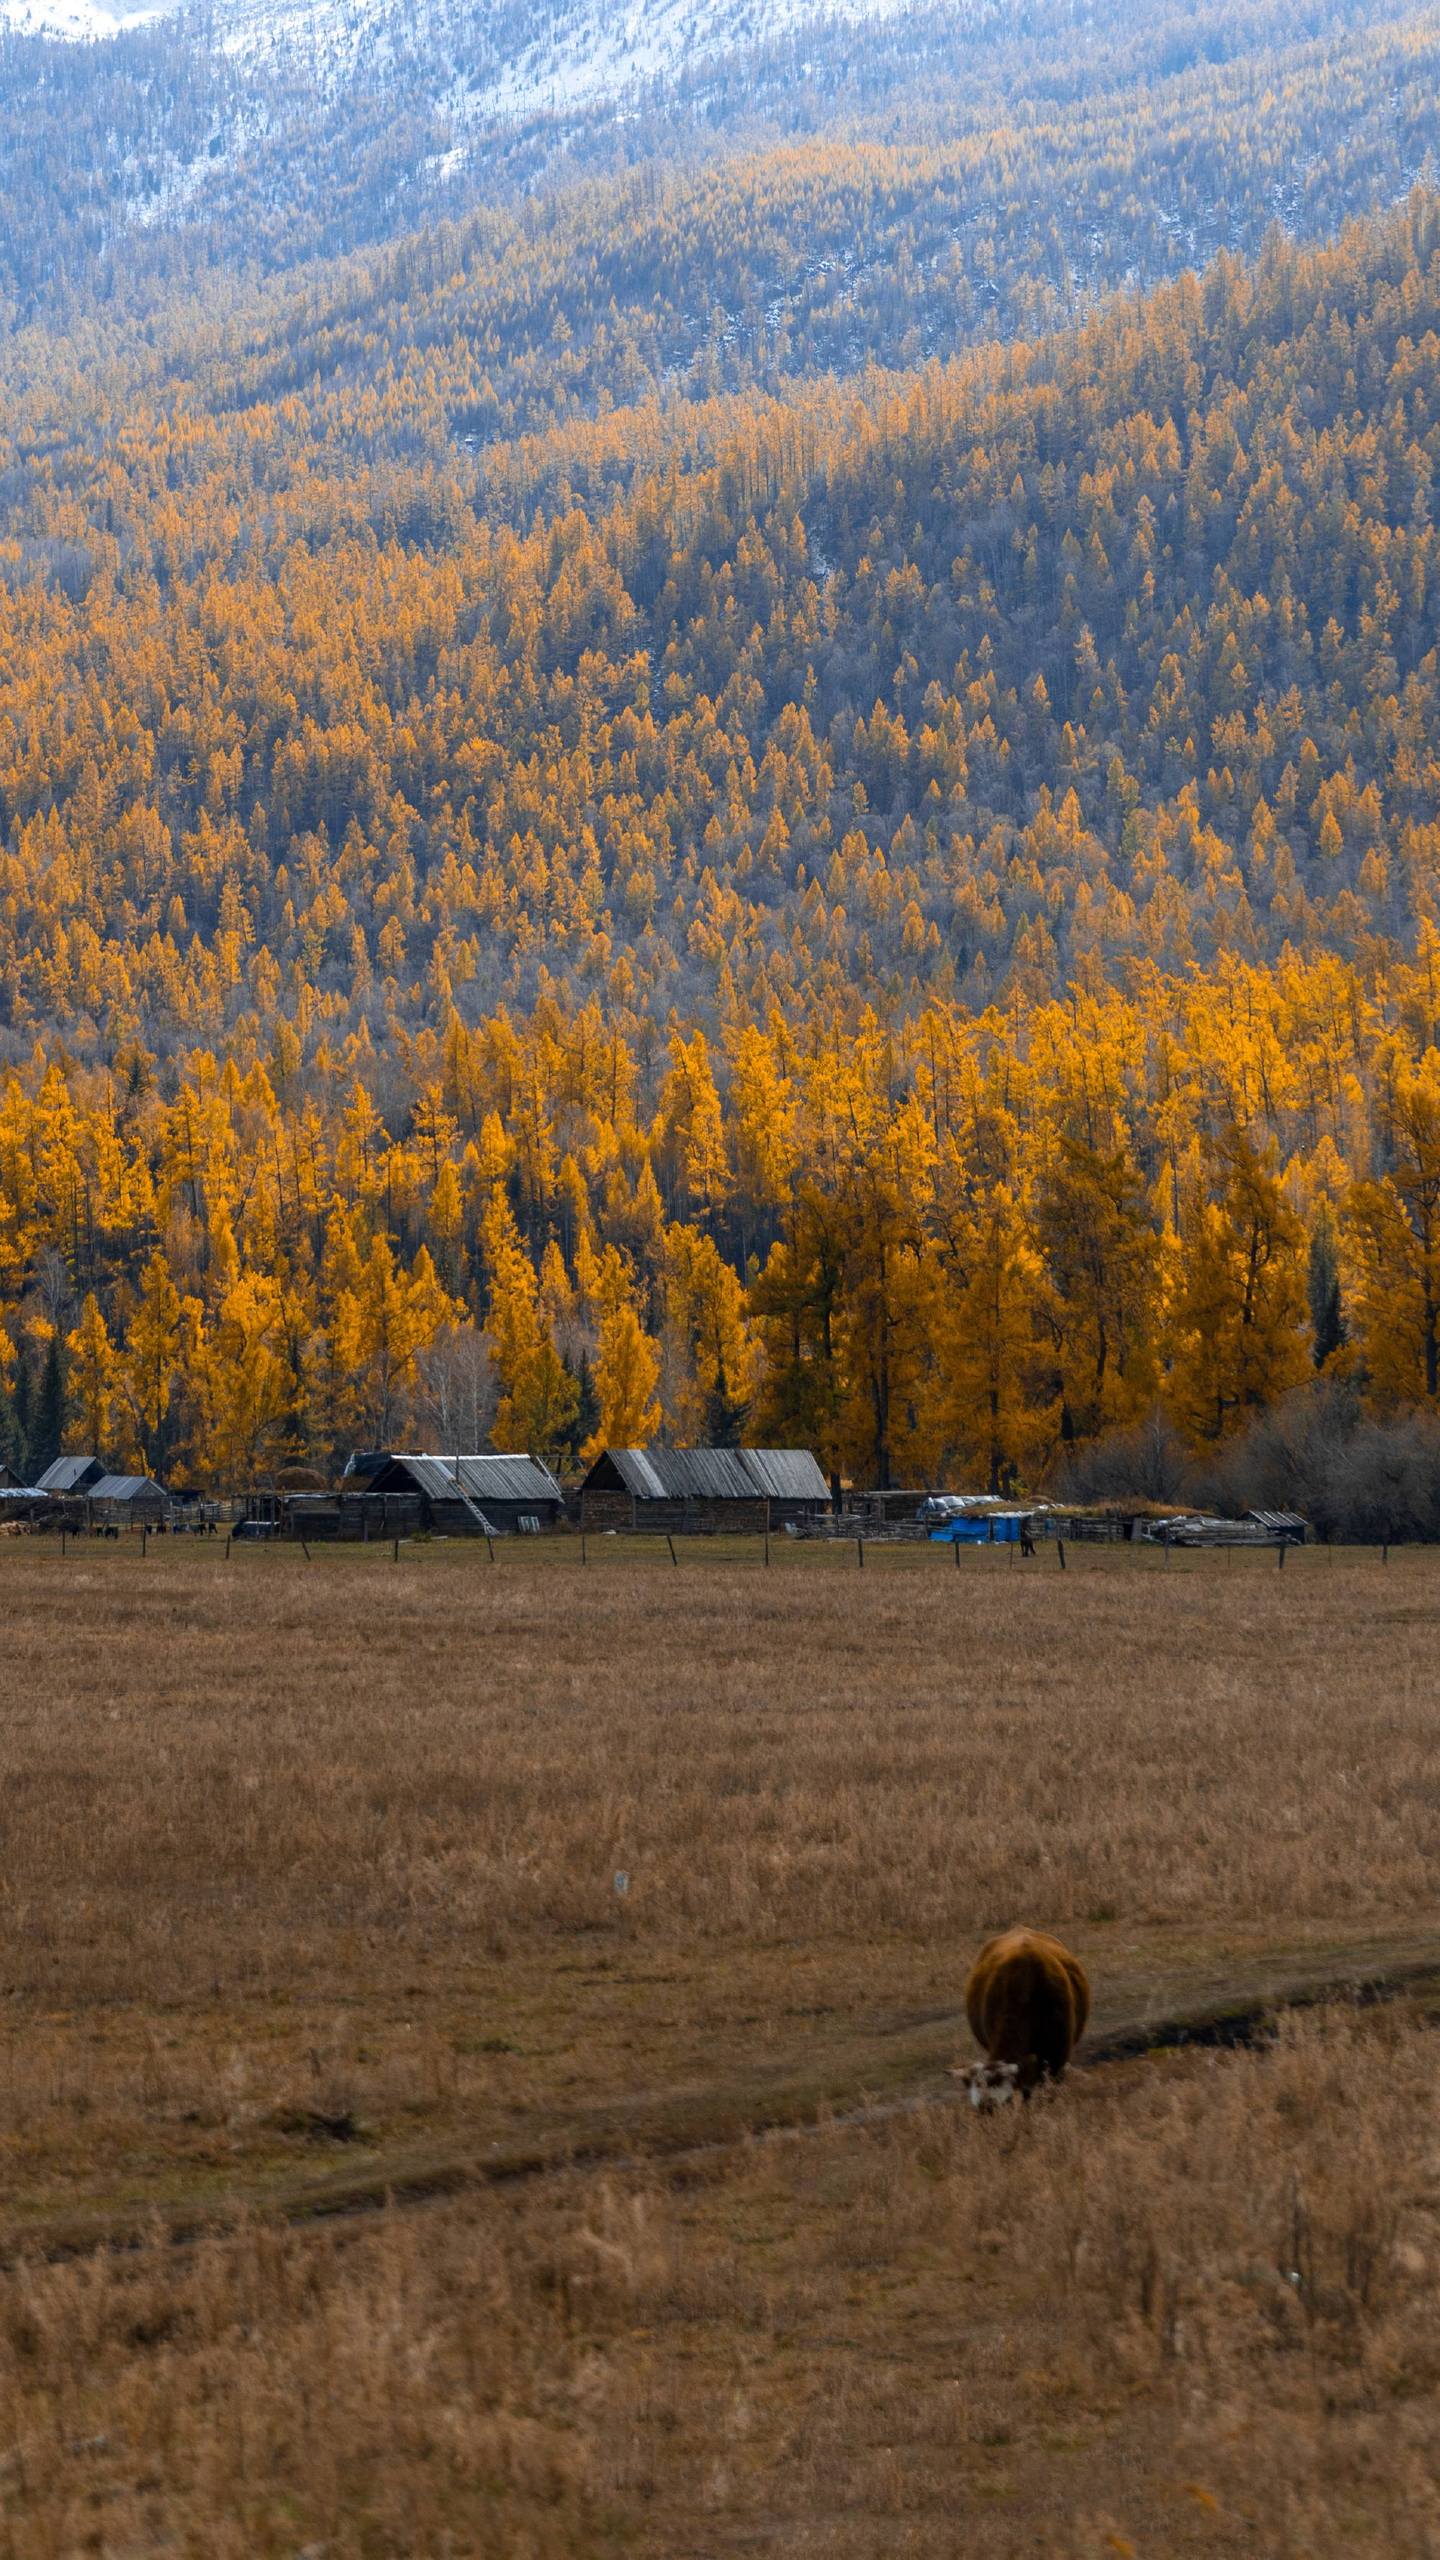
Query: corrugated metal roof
point(63, 1474)
point(487, 1477)
point(1202, 1529)
point(791, 1475)
point(123, 1489)
point(719, 1475)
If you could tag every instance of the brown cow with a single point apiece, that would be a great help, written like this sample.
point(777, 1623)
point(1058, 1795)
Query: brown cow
point(1027, 2001)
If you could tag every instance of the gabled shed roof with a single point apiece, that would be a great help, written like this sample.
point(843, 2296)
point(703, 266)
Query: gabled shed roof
point(70, 1475)
point(124, 1489)
point(489, 1476)
point(716, 1475)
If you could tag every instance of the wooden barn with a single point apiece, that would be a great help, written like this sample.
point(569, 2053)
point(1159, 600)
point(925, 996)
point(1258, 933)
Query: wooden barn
point(126, 1502)
point(71, 1475)
point(457, 1496)
point(676, 1490)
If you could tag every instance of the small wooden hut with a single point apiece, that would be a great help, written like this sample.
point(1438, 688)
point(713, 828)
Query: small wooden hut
point(685, 1490)
point(126, 1502)
point(477, 1496)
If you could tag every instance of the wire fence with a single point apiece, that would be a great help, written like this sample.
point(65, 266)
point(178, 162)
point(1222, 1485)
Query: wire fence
point(576, 1550)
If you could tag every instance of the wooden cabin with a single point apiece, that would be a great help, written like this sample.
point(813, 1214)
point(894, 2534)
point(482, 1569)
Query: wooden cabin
point(486, 1495)
point(688, 1490)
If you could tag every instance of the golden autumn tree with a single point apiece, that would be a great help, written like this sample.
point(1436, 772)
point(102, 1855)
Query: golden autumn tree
point(154, 1357)
point(1238, 1324)
point(1100, 1303)
point(1393, 1222)
point(627, 1368)
point(248, 1419)
point(708, 1358)
point(94, 1382)
point(539, 1398)
point(999, 1423)
point(386, 1322)
point(690, 1102)
point(795, 1305)
point(881, 1184)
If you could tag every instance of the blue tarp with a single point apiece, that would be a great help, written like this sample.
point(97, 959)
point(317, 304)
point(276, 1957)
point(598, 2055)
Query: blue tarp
point(971, 1531)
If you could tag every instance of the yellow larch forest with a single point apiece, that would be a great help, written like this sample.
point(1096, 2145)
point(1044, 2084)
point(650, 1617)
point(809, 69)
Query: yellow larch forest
point(905, 923)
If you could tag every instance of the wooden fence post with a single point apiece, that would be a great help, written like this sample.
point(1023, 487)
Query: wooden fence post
point(395, 1552)
point(144, 1543)
point(860, 1552)
point(670, 1543)
point(1060, 1551)
point(584, 1550)
point(1282, 1555)
point(490, 1543)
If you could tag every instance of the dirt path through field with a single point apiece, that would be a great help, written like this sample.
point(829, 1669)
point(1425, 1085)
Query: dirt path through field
point(874, 2078)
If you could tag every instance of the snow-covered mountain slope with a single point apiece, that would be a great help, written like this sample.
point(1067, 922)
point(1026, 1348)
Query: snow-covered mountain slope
point(532, 58)
point(594, 51)
point(250, 137)
point(77, 21)
point(517, 59)
point(269, 130)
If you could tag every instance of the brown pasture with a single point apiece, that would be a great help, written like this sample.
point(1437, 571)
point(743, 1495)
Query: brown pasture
point(308, 1884)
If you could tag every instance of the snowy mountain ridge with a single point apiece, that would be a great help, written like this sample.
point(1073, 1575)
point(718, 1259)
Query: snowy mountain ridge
point(246, 138)
point(592, 52)
point(536, 59)
point(280, 129)
point(75, 21)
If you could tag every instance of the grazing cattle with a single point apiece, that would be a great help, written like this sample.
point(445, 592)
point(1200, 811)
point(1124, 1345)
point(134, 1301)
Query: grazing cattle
point(1027, 2001)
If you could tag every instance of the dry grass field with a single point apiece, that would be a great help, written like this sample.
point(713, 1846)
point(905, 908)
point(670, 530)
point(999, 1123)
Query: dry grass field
point(308, 1885)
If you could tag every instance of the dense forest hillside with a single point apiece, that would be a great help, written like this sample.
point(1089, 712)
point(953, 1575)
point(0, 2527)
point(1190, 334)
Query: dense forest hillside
point(784, 779)
point(914, 930)
point(1115, 645)
point(979, 165)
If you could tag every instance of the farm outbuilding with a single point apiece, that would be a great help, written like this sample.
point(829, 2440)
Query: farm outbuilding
point(1201, 1529)
point(1287, 1527)
point(127, 1502)
point(689, 1489)
point(71, 1475)
point(478, 1496)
